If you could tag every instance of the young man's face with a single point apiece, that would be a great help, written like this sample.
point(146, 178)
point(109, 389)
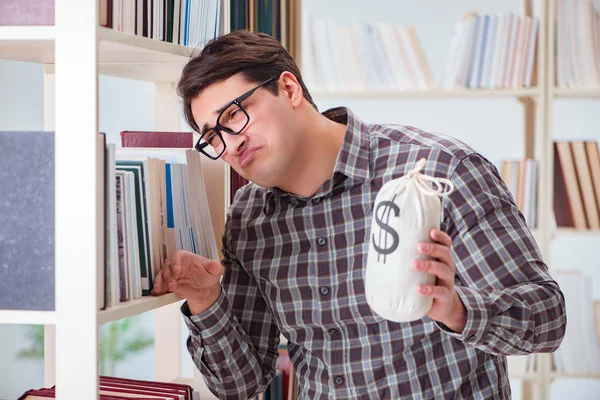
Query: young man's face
point(261, 151)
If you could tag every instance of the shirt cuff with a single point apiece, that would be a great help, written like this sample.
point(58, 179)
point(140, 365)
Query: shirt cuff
point(478, 316)
point(212, 324)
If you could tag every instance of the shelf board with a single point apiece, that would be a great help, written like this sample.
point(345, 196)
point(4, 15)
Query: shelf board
point(134, 307)
point(26, 317)
point(576, 93)
point(528, 376)
point(428, 93)
point(575, 375)
point(573, 231)
point(119, 54)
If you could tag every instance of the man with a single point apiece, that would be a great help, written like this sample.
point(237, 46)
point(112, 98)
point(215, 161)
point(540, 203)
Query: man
point(296, 241)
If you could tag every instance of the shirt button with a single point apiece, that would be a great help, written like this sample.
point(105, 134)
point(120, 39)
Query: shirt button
point(334, 332)
point(317, 200)
point(324, 290)
point(339, 380)
point(321, 241)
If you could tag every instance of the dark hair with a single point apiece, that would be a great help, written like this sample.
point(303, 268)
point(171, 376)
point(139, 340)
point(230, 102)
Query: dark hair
point(257, 56)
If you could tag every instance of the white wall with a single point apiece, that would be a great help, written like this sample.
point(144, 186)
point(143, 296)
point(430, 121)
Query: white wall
point(491, 126)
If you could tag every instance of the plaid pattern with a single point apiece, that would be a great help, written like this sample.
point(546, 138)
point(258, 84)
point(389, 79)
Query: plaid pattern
point(295, 265)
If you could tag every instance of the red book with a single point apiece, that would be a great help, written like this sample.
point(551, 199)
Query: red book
point(27, 12)
point(157, 139)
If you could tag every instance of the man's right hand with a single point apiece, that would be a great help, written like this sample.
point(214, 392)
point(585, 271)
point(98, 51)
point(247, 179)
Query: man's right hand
point(193, 277)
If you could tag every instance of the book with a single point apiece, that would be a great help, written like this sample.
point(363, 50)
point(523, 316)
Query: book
point(27, 12)
point(27, 220)
point(157, 139)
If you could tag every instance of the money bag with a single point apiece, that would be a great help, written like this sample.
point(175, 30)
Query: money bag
point(405, 211)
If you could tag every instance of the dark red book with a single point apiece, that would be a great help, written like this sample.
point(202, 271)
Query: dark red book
point(27, 12)
point(157, 139)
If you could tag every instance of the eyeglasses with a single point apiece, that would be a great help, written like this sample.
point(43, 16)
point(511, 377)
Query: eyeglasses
point(233, 119)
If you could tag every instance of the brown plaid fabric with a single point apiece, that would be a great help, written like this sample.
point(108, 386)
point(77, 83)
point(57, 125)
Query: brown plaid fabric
point(295, 266)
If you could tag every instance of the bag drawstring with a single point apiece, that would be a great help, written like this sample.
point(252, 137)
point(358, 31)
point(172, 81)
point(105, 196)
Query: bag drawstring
point(429, 185)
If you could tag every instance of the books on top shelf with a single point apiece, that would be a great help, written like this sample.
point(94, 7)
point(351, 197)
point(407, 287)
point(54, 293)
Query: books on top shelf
point(577, 184)
point(184, 22)
point(156, 204)
point(579, 351)
point(121, 388)
point(491, 51)
point(521, 177)
point(363, 56)
point(577, 35)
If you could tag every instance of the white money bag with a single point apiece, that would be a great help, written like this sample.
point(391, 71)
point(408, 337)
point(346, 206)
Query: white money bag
point(405, 210)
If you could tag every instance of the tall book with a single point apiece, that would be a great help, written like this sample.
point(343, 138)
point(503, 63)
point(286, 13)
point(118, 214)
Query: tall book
point(27, 220)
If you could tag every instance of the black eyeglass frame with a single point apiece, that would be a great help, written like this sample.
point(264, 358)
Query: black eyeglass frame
point(218, 127)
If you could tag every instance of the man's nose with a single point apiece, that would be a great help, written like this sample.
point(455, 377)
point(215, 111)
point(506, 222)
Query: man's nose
point(236, 142)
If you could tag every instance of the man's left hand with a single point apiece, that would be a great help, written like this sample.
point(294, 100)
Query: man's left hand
point(447, 306)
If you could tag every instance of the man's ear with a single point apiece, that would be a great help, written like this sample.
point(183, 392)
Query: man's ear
point(290, 88)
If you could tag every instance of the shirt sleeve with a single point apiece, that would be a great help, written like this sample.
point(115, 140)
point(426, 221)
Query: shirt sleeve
point(234, 343)
point(513, 304)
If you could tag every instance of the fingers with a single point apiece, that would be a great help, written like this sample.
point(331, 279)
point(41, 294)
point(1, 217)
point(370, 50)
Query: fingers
point(159, 285)
point(214, 267)
point(439, 251)
point(440, 237)
point(437, 292)
point(168, 276)
point(443, 273)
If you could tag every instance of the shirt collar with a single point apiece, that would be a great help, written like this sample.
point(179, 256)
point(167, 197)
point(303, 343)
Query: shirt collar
point(352, 160)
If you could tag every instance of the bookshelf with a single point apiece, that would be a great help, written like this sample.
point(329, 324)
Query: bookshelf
point(538, 102)
point(72, 65)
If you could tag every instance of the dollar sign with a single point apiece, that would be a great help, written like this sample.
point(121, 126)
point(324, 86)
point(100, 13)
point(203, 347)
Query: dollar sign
point(384, 250)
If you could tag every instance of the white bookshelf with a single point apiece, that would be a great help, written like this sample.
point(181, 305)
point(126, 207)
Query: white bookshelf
point(576, 93)
point(134, 307)
point(119, 54)
point(538, 103)
point(72, 65)
point(26, 317)
point(533, 93)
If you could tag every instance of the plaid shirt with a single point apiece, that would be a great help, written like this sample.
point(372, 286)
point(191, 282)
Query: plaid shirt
point(295, 265)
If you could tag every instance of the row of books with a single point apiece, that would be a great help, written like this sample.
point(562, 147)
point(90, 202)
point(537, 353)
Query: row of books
point(363, 56)
point(184, 22)
point(273, 17)
point(579, 351)
point(156, 203)
point(577, 184)
point(123, 389)
point(577, 44)
point(521, 177)
point(491, 51)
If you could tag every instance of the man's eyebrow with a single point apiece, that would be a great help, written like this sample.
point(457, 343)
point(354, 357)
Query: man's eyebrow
point(205, 127)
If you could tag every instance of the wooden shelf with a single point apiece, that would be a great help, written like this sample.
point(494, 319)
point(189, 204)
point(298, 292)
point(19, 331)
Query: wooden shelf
point(427, 94)
point(527, 376)
point(25, 317)
point(134, 307)
point(575, 375)
point(119, 54)
point(573, 231)
point(576, 93)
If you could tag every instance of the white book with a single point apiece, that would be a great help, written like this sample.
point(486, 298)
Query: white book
point(511, 52)
point(479, 52)
point(467, 50)
point(532, 44)
point(488, 57)
point(498, 50)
